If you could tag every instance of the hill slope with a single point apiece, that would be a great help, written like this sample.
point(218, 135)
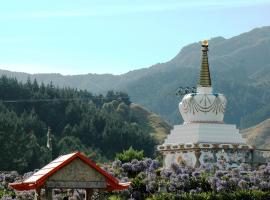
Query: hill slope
point(239, 65)
point(258, 135)
point(151, 122)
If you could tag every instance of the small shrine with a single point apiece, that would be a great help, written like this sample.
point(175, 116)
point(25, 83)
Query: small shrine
point(204, 137)
point(71, 171)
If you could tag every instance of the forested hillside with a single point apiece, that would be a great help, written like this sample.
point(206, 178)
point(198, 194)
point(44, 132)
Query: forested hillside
point(99, 125)
point(240, 68)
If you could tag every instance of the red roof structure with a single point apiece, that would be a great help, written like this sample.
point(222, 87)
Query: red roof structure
point(38, 179)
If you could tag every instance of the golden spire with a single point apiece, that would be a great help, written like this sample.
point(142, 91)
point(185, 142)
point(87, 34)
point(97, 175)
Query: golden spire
point(205, 79)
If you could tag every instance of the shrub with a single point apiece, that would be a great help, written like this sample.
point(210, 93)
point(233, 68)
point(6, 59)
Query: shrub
point(238, 195)
point(129, 155)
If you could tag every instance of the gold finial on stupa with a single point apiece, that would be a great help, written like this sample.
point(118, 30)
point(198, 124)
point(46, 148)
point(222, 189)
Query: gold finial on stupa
point(205, 79)
point(205, 43)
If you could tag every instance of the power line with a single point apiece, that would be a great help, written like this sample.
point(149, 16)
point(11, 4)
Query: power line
point(67, 99)
point(59, 99)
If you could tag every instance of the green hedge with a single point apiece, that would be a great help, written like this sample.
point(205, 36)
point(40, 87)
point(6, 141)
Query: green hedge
point(6, 192)
point(239, 195)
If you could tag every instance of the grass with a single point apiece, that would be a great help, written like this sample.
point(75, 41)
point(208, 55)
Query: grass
point(151, 122)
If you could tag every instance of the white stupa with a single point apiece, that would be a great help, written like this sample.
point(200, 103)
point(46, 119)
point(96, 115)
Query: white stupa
point(203, 137)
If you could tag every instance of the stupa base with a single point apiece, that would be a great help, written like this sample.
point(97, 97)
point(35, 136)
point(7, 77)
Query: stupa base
point(224, 155)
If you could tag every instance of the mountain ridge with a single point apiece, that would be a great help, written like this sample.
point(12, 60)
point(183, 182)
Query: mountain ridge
point(239, 66)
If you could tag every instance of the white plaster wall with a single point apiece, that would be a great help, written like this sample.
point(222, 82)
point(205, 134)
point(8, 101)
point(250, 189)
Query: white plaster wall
point(223, 158)
point(204, 132)
point(188, 157)
point(203, 106)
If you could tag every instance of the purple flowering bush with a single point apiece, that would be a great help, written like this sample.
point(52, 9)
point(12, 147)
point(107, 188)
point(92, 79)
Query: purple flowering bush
point(7, 193)
point(149, 179)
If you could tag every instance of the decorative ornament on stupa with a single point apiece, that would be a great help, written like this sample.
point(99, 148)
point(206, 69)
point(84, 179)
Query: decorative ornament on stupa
point(204, 105)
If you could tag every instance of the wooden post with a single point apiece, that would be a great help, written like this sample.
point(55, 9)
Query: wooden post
point(88, 194)
point(37, 194)
point(252, 157)
point(49, 142)
point(48, 193)
point(197, 155)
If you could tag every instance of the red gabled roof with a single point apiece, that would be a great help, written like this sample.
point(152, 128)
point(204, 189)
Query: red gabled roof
point(38, 179)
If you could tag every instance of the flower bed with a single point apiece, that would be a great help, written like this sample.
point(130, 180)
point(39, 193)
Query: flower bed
point(151, 181)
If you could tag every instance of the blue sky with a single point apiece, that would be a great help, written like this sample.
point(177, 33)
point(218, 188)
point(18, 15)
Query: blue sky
point(114, 36)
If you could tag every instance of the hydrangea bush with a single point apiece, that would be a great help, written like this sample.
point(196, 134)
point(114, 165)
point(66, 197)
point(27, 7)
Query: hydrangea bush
point(149, 180)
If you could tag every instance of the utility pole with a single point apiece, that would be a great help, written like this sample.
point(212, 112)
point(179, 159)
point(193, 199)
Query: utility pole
point(49, 142)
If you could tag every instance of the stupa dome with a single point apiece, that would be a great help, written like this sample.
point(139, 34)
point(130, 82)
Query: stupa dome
point(203, 106)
